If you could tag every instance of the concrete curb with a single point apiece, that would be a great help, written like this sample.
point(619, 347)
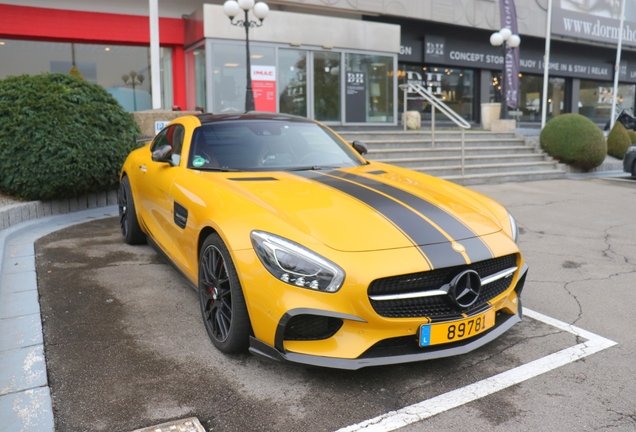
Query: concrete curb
point(14, 214)
point(25, 399)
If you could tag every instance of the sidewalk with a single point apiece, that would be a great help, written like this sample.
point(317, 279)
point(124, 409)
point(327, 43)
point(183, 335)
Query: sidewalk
point(25, 401)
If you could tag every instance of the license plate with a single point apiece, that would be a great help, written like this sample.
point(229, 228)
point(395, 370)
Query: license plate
point(435, 334)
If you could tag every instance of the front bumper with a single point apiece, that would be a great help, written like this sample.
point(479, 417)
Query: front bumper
point(504, 322)
point(406, 351)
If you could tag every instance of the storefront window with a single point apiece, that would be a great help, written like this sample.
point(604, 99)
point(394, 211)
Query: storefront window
point(327, 86)
point(229, 73)
point(530, 95)
point(369, 88)
point(124, 71)
point(595, 99)
point(196, 79)
point(453, 86)
point(292, 82)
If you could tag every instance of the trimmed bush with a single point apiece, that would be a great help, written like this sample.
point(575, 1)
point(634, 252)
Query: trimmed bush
point(618, 141)
point(632, 135)
point(575, 140)
point(60, 137)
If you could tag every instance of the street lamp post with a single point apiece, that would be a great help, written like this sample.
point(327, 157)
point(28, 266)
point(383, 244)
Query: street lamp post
point(504, 37)
point(232, 8)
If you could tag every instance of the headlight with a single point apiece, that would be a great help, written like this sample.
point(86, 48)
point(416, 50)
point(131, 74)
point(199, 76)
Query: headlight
point(296, 265)
point(513, 226)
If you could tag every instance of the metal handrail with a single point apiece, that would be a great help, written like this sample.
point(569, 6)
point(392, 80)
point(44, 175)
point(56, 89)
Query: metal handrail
point(436, 103)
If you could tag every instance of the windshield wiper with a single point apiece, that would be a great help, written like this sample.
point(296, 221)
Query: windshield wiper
point(312, 168)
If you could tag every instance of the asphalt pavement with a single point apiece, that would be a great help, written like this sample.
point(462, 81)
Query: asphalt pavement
point(125, 346)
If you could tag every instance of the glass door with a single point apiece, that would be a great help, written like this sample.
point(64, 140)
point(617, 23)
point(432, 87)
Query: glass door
point(196, 82)
point(292, 82)
point(326, 86)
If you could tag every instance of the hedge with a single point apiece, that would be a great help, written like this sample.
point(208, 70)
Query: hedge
point(60, 137)
point(575, 140)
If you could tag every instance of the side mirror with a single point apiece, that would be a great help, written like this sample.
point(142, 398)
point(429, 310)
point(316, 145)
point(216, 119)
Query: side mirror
point(163, 154)
point(360, 147)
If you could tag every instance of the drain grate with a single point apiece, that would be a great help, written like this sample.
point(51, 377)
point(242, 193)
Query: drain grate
point(191, 424)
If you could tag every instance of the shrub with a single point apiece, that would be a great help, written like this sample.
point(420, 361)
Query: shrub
point(575, 140)
point(618, 141)
point(60, 137)
point(632, 135)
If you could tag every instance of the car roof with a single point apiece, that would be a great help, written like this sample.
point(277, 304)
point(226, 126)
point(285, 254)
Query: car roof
point(252, 115)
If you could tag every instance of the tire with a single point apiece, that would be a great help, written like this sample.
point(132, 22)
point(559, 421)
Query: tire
point(221, 297)
point(128, 222)
point(634, 168)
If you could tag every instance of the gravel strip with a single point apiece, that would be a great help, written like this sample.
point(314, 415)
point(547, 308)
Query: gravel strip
point(7, 200)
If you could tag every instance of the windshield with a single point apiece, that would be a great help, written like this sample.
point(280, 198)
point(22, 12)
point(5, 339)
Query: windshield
point(267, 145)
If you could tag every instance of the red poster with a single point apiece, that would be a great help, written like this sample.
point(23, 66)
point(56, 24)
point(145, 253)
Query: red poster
point(264, 87)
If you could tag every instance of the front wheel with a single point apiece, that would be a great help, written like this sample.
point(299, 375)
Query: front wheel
point(128, 221)
point(221, 298)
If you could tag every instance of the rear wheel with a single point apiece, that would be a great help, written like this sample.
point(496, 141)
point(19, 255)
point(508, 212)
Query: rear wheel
point(128, 222)
point(634, 168)
point(221, 298)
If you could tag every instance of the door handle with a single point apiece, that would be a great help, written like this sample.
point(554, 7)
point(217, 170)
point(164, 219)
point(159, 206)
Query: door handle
point(142, 168)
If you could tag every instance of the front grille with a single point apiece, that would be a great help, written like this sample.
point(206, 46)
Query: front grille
point(439, 308)
point(311, 327)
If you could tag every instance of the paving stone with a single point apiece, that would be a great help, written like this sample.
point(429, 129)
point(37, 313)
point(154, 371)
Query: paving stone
point(4, 219)
point(20, 332)
point(101, 199)
point(48, 208)
point(17, 250)
point(73, 205)
point(17, 282)
point(15, 215)
point(23, 369)
point(112, 197)
point(91, 200)
point(82, 203)
point(56, 207)
point(17, 265)
point(29, 410)
point(26, 212)
point(18, 304)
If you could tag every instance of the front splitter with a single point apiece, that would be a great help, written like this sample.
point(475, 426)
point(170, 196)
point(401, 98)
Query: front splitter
point(504, 324)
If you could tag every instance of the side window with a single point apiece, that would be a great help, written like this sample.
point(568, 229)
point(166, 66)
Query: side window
point(175, 136)
point(160, 140)
point(172, 136)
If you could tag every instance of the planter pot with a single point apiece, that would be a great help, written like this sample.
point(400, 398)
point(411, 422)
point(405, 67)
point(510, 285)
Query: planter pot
point(413, 120)
point(489, 112)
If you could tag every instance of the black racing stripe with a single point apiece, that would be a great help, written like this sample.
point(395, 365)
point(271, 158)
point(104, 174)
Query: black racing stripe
point(429, 239)
point(476, 249)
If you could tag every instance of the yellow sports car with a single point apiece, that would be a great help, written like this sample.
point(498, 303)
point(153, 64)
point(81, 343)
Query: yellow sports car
point(301, 250)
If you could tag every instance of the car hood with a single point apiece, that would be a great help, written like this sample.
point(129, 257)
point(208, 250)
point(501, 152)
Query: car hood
point(362, 209)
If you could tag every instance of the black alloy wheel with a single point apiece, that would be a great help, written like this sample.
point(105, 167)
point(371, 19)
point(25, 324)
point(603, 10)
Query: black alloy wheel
point(221, 298)
point(128, 222)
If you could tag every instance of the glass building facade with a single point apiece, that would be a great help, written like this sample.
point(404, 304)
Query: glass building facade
point(124, 71)
point(309, 82)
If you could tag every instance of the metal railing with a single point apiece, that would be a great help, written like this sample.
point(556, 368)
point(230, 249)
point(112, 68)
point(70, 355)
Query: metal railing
point(436, 103)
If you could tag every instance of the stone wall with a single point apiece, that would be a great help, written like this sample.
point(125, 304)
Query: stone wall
point(146, 119)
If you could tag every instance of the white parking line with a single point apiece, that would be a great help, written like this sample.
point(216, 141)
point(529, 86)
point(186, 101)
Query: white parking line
point(397, 419)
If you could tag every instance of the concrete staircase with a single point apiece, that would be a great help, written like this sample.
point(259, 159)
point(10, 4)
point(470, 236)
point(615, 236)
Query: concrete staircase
point(489, 157)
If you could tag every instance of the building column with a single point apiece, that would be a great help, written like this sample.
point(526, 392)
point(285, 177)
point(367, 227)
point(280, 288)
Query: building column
point(179, 77)
point(574, 97)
